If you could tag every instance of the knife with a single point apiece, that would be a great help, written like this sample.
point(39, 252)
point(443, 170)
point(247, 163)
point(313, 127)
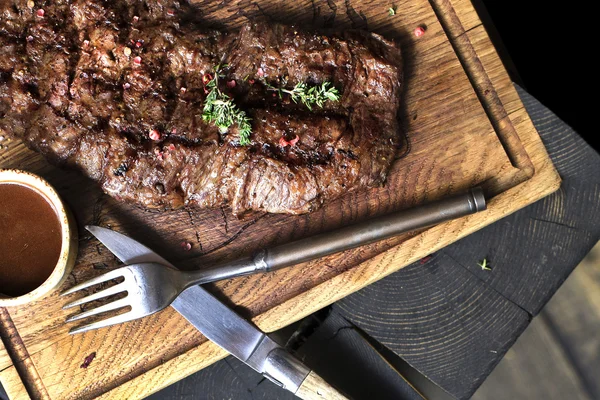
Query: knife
point(227, 329)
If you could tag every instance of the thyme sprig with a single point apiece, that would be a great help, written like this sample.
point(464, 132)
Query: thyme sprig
point(484, 265)
point(310, 96)
point(220, 109)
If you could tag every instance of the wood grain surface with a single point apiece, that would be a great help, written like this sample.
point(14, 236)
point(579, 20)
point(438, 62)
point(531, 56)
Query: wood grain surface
point(441, 319)
point(457, 139)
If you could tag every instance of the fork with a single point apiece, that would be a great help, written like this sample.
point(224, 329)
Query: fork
point(152, 286)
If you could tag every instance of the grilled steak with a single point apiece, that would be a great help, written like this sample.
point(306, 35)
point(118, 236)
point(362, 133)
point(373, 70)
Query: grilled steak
point(115, 89)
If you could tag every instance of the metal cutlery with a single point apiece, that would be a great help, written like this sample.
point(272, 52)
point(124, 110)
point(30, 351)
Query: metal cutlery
point(152, 284)
point(227, 329)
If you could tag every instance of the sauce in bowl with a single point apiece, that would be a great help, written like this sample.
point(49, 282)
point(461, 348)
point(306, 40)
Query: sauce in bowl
point(30, 239)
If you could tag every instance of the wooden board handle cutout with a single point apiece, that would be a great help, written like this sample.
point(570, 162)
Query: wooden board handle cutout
point(315, 388)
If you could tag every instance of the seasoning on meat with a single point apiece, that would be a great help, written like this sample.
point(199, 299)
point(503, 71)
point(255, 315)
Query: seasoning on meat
point(132, 119)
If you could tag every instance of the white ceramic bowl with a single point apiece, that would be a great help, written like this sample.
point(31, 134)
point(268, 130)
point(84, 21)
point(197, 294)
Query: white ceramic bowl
point(68, 251)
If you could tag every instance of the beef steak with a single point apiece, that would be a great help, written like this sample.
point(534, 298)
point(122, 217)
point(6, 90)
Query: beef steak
point(115, 89)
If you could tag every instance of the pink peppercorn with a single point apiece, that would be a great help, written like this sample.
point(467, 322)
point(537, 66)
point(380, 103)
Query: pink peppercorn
point(88, 360)
point(126, 85)
point(171, 147)
point(419, 31)
point(137, 60)
point(284, 143)
point(231, 84)
point(170, 13)
point(136, 18)
point(187, 246)
point(138, 44)
point(251, 81)
point(154, 134)
point(183, 89)
point(294, 141)
point(260, 72)
point(40, 13)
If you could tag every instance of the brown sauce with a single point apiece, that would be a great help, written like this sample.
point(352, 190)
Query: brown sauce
point(30, 239)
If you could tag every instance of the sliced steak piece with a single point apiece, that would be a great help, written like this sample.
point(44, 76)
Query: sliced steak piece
point(116, 89)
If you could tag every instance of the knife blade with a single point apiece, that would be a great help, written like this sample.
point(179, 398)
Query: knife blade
point(222, 325)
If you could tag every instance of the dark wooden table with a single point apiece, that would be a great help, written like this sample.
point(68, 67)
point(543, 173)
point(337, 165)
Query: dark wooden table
point(445, 316)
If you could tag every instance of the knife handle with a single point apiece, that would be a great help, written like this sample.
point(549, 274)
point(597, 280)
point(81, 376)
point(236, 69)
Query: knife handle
point(314, 387)
point(287, 371)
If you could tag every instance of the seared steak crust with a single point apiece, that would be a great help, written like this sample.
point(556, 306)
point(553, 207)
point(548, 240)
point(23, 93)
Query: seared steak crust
point(86, 82)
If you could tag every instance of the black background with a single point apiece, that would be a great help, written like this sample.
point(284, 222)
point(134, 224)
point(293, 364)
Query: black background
point(550, 44)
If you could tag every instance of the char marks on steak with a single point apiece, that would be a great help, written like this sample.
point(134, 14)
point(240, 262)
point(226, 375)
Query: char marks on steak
point(88, 81)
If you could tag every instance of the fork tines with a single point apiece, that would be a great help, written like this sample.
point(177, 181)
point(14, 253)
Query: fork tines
point(111, 306)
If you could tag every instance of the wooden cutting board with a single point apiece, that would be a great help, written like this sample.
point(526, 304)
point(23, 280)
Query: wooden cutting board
point(466, 126)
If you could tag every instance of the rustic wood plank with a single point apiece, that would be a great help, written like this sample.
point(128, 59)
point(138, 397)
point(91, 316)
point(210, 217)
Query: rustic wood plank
point(441, 319)
point(442, 112)
point(535, 368)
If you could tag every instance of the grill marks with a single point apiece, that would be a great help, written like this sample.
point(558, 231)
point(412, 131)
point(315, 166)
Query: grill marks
point(88, 82)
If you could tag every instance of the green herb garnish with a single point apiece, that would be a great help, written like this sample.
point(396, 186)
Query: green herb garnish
point(220, 109)
point(310, 96)
point(484, 265)
point(392, 11)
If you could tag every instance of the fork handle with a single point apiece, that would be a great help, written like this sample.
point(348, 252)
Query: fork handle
point(345, 238)
point(374, 229)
